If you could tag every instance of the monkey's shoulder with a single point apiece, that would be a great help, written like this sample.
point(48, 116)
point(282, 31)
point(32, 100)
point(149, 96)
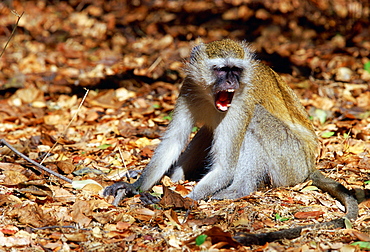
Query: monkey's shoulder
point(275, 95)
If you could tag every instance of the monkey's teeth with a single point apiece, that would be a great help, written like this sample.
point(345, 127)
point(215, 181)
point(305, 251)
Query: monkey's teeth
point(222, 108)
point(223, 99)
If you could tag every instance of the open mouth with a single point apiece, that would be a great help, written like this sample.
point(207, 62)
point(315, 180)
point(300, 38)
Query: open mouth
point(223, 99)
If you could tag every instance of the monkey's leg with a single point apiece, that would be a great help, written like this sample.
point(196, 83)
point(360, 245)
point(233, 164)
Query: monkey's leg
point(227, 140)
point(250, 170)
point(192, 163)
point(281, 160)
point(289, 159)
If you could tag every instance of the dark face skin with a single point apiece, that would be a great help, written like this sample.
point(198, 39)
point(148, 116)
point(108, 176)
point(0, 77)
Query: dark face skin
point(226, 84)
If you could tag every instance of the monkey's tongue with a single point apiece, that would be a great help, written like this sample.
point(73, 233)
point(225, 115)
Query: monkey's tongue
point(223, 99)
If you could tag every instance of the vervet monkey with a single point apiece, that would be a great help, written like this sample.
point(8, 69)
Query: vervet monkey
point(254, 131)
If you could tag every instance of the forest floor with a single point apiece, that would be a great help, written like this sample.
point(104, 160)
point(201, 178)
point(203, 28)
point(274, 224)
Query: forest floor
point(90, 85)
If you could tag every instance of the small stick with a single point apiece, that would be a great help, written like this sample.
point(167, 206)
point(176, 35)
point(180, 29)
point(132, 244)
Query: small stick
point(13, 31)
point(52, 227)
point(69, 124)
point(155, 64)
point(35, 163)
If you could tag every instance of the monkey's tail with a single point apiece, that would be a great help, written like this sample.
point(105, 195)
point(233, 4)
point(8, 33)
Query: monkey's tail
point(335, 189)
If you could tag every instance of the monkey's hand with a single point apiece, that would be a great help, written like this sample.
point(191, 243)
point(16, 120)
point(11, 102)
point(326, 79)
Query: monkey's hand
point(120, 190)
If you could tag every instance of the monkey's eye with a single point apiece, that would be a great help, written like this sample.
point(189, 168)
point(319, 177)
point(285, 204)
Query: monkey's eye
point(227, 70)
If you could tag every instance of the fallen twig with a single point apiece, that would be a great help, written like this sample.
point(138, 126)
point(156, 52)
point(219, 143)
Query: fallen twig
point(13, 31)
point(35, 163)
point(69, 124)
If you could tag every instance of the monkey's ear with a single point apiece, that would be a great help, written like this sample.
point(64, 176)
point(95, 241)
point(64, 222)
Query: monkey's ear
point(194, 54)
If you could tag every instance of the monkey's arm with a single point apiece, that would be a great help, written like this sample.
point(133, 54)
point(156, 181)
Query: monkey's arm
point(166, 154)
point(228, 137)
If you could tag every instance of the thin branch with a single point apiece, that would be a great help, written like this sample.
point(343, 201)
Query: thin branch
point(69, 124)
point(155, 64)
point(13, 31)
point(35, 163)
point(121, 155)
point(52, 227)
point(78, 110)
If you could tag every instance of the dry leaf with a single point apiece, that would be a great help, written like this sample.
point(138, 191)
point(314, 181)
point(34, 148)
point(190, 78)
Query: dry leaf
point(359, 235)
point(62, 195)
point(79, 209)
point(217, 235)
point(144, 214)
point(65, 166)
point(77, 237)
point(173, 199)
point(308, 215)
point(123, 225)
point(172, 216)
point(33, 215)
point(13, 178)
point(11, 167)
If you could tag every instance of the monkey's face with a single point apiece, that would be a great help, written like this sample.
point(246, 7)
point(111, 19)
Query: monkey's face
point(220, 70)
point(227, 82)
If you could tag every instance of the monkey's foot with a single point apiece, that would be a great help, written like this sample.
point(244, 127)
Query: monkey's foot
point(129, 189)
point(121, 190)
point(148, 199)
point(227, 194)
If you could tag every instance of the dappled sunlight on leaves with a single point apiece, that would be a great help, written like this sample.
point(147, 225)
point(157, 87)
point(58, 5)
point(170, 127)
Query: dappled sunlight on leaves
point(130, 55)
